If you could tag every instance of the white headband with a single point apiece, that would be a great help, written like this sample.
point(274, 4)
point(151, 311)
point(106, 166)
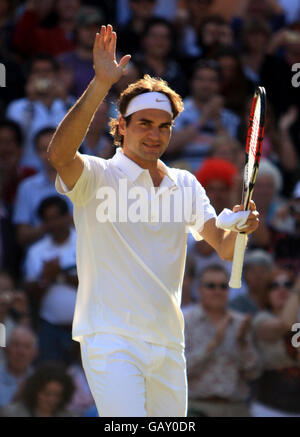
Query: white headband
point(151, 100)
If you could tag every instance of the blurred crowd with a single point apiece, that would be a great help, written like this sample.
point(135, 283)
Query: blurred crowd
point(242, 355)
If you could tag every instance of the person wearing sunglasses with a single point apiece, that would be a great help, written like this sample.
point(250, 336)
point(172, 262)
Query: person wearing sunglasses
point(277, 392)
point(221, 358)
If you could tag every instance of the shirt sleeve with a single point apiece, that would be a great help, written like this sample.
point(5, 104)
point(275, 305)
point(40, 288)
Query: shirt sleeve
point(202, 210)
point(90, 179)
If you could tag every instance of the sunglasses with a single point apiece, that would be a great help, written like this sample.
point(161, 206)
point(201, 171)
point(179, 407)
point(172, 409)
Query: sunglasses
point(278, 284)
point(214, 285)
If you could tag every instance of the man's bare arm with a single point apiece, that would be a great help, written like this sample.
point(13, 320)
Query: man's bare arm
point(63, 149)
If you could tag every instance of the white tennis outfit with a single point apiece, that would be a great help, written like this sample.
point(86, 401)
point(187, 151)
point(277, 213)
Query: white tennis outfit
point(127, 315)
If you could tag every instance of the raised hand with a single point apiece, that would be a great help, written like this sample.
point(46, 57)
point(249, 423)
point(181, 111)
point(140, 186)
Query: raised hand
point(107, 70)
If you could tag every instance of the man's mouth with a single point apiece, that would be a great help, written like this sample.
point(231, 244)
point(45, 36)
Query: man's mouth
point(151, 146)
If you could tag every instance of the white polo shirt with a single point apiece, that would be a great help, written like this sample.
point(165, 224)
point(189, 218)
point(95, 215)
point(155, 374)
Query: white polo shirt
point(130, 273)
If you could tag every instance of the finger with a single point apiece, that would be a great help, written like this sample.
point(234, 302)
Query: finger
point(112, 45)
point(108, 36)
point(124, 61)
point(101, 38)
point(252, 205)
point(253, 215)
point(237, 208)
point(251, 227)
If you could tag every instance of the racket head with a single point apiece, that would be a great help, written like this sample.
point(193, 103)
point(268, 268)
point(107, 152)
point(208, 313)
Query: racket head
point(255, 136)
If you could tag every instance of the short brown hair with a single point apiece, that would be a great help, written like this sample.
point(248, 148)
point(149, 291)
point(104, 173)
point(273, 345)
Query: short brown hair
point(145, 85)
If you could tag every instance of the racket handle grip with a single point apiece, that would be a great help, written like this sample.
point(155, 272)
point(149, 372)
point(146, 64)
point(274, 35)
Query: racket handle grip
point(238, 261)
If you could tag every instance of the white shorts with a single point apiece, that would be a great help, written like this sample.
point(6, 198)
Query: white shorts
point(132, 378)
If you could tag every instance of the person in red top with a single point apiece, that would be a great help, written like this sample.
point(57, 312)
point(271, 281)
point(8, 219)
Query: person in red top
point(30, 37)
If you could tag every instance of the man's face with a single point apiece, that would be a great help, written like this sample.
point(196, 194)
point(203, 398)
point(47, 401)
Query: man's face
point(20, 351)
point(264, 190)
point(142, 8)
point(57, 223)
point(86, 36)
point(218, 193)
point(205, 84)
point(147, 135)
point(214, 290)
point(42, 69)
point(157, 42)
point(10, 153)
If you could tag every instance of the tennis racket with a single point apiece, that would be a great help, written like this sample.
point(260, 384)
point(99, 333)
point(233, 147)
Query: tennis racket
point(254, 143)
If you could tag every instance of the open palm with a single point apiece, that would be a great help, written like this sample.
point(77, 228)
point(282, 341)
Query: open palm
point(107, 70)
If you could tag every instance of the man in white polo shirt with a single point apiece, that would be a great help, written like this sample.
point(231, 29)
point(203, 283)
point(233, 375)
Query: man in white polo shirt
point(132, 215)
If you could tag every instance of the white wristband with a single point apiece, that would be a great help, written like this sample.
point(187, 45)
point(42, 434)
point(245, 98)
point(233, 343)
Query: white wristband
point(232, 221)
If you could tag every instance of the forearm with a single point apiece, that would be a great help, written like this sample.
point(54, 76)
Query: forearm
point(73, 128)
point(227, 243)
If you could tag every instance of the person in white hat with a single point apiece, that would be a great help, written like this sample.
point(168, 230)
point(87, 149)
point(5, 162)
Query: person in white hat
point(132, 214)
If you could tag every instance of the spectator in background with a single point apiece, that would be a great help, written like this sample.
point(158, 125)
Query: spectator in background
point(268, 186)
point(158, 52)
point(33, 36)
point(228, 149)
point(268, 10)
point(45, 104)
point(221, 358)
point(6, 25)
point(7, 285)
point(13, 173)
point(10, 253)
point(20, 353)
point(14, 305)
point(277, 391)
point(257, 270)
point(283, 238)
point(259, 64)
point(46, 393)
point(217, 177)
point(51, 280)
point(203, 118)
point(233, 79)
point(130, 34)
point(215, 32)
point(79, 62)
point(291, 10)
point(32, 191)
point(188, 22)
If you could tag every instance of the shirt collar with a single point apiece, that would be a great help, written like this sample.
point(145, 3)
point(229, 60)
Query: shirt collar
point(133, 170)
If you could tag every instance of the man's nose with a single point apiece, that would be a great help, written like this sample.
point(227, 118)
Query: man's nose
point(154, 133)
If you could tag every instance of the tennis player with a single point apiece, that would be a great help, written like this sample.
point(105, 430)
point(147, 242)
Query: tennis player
point(127, 317)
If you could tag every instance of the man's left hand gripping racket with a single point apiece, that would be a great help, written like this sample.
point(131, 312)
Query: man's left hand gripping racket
point(253, 153)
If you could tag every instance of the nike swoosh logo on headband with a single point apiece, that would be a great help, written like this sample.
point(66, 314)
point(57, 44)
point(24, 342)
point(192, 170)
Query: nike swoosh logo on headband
point(157, 100)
